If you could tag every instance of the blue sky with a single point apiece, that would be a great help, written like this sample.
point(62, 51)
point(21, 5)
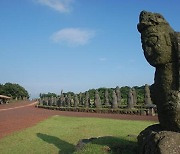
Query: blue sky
point(76, 45)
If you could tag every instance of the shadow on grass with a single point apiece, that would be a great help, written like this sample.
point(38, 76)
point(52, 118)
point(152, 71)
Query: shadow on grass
point(115, 145)
point(63, 146)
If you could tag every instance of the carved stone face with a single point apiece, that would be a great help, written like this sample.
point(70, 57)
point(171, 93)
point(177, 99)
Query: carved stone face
point(159, 45)
point(155, 38)
point(156, 45)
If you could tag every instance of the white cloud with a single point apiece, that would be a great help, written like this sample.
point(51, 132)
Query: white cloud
point(62, 6)
point(73, 36)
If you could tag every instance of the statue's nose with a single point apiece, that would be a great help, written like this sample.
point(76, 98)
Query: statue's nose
point(143, 14)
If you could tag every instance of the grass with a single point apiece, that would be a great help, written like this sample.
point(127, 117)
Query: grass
point(60, 135)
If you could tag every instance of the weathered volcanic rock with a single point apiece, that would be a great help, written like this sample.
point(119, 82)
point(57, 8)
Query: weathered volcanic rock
point(161, 45)
point(154, 140)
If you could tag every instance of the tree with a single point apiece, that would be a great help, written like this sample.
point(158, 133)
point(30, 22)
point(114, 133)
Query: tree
point(42, 95)
point(13, 90)
point(140, 94)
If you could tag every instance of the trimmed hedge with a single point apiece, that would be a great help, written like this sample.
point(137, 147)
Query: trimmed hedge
point(138, 111)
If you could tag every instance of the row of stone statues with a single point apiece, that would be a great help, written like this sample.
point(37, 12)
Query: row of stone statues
point(75, 101)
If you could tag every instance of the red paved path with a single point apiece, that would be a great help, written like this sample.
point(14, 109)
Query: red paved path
point(20, 117)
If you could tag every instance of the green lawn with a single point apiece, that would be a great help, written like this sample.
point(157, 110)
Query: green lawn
point(60, 135)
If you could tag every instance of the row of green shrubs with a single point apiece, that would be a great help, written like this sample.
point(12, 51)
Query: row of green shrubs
point(98, 110)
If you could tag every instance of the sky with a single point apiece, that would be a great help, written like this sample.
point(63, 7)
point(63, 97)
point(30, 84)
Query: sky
point(76, 45)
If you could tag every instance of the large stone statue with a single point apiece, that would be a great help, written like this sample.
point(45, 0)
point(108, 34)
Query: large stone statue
point(160, 45)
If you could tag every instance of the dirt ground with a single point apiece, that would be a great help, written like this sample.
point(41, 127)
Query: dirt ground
point(18, 116)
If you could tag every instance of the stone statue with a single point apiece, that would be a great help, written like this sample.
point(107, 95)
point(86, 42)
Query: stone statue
point(62, 99)
point(87, 100)
point(58, 101)
point(134, 96)
point(55, 101)
point(130, 103)
point(97, 100)
point(49, 101)
point(147, 97)
point(161, 45)
point(106, 97)
point(80, 99)
point(72, 102)
point(161, 50)
point(76, 101)
point(69, 100)
point(45, 101)
point(118, 94)
point(114, 101)
point(52, 100)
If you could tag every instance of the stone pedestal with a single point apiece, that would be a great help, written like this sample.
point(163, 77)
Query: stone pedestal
point(154, 140)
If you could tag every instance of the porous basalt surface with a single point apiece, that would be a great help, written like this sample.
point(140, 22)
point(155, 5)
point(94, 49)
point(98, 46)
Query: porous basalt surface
point(155, 140)
point(160, 45)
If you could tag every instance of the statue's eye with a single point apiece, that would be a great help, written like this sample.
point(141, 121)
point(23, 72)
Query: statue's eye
point(152, 40)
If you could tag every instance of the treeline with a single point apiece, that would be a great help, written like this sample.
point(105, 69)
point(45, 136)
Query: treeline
point(124, 93)
point(13, 90)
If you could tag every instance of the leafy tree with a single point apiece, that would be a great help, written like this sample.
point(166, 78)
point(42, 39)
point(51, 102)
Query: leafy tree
point(102, 94)
point(91, 93)
point(140, 94)
point(13, 90)
point(69, 93)
point(124, 94)
point(49, 95)
point(1, 89)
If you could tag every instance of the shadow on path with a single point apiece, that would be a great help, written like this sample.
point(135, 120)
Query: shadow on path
point(63, 146)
